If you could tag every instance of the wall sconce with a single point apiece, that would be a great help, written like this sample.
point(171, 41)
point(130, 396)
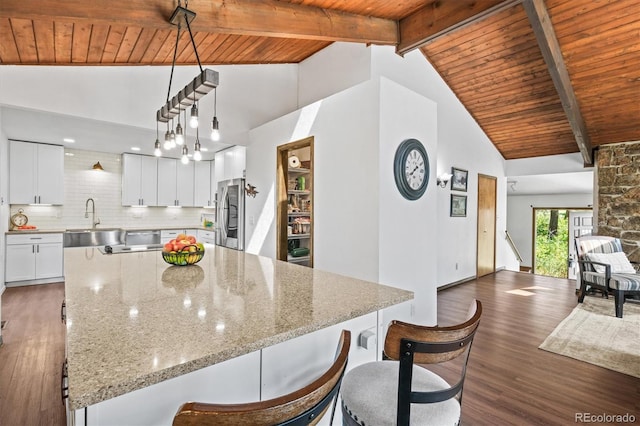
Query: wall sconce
point(443, 179)
point(98, 166)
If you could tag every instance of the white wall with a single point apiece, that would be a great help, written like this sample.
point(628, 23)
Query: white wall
point(461, 143)
point(81, 183)
point(520, 217)
point(362, 226)
point(4, 206)
point(408, 248)
point(132, 95)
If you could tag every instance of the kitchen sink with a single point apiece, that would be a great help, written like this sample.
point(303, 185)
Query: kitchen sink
point(93, 237)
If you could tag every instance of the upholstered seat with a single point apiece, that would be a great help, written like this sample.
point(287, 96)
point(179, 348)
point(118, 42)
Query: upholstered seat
point(376, 405)
point(605, 267)
point(401, 390)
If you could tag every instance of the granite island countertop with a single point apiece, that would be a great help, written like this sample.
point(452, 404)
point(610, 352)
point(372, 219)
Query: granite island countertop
point(134, 320)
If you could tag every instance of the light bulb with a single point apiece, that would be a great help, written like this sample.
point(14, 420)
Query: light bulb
point(157, 151)
point(167, 145)
point(197, 155)
point(185, 152)
point(179, 134)
point(193, 122)
point(215, 132)
point(167, 140)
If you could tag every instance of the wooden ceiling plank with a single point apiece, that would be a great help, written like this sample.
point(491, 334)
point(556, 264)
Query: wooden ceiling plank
point(141, 46)
point(499, 25)
point(240, 17)
point(441, 17)
point(43, 30)
point(543, 29)
point(25, 40)
point(81, 42)
point(129, 40)
point(8, 49)
point(211, 44)
point(99, 34)
point(160, 39)
point(63, 39)
point(111, 46)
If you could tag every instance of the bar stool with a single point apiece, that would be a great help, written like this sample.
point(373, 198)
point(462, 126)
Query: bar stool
point(396, 391)
point(305, 406)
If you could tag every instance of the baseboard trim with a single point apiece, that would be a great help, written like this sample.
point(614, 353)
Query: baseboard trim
point(455, 283)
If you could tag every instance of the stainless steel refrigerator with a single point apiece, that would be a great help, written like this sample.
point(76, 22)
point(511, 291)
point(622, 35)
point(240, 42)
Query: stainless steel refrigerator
point(230, 214)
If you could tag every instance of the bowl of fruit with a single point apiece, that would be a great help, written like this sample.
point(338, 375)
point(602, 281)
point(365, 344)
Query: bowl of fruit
point(183, 250)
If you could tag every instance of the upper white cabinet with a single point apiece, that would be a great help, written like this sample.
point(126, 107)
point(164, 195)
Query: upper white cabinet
point(230, 163)
point(175, 183)
point(139, 180)
point(36, 173)
point(202, 184)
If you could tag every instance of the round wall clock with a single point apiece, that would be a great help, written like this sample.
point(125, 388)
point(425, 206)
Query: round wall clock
point(411, 169)
point(19, 219)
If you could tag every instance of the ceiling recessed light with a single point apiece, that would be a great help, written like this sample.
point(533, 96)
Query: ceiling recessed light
point(135, 148)
point(69, 154)
point(203, 149)
point(69, 140)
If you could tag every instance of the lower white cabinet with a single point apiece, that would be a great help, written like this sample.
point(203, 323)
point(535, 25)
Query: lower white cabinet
point(167, 235)
point(33, 257)
point(206, 237)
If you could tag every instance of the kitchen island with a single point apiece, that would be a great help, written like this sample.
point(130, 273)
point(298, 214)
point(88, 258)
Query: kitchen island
point(144, 336)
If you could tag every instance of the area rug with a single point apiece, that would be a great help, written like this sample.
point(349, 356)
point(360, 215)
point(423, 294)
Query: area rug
point(593, 334)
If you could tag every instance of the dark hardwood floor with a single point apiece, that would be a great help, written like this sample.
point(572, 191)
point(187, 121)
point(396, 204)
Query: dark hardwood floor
point(31, 356)
point(512, 382)
point(509, 381)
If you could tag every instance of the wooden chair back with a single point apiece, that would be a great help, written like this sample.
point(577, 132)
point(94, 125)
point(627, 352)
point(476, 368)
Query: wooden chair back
point(303, 407)
point(414, 344)
point(432, 336)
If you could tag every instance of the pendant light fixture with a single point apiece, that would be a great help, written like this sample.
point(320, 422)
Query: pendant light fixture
point(197, 155)
point(156, 149)
point(193, 121)
point(215, 126)
point(190, 95)
point(185, 155)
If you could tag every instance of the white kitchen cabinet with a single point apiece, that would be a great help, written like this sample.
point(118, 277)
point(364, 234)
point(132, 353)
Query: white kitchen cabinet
point(202, 184)
point(36, 173)
point(206, 237)
point(139, 180)
point(230, 163)
point(33, 257)
point(175, 183)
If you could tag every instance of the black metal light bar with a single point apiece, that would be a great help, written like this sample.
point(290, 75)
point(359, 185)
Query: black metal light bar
point(205, 82)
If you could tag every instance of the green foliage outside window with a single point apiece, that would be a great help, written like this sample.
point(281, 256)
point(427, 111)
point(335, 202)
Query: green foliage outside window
point(552, 242)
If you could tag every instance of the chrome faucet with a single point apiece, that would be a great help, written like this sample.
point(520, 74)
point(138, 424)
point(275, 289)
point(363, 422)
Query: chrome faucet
point(94, 221)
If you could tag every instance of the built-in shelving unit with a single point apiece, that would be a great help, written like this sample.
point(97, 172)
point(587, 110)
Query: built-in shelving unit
point(295, 202)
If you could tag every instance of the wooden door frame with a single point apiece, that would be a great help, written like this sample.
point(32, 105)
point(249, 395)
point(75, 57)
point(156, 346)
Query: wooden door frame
point(495, 219)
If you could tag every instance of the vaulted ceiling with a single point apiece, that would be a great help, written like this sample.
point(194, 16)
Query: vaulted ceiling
point(541, 77)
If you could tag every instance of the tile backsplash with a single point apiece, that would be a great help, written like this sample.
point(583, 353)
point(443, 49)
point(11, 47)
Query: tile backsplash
point(105, 187)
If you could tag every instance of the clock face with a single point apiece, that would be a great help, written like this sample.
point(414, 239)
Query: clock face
point(414, 170)
point(411, 169)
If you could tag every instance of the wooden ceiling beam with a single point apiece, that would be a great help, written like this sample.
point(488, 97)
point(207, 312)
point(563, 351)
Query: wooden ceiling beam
point(441, 17)
point(552, 54)
point(267, 18)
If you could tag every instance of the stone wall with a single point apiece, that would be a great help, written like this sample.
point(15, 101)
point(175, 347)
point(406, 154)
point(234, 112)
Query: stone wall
point(619, 195)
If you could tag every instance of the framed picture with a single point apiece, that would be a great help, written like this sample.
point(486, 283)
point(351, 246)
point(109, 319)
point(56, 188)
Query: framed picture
point(458, 205)
point(459, 179)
